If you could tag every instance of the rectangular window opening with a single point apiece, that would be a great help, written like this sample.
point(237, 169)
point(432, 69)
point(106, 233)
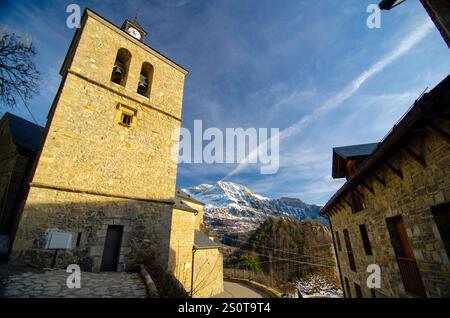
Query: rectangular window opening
point(358, 291)
point(78, 239)
point(365, 239)
point(338, 241)
point(126, 119)
point(441, 214)
point(347, 287)
point(348, 246)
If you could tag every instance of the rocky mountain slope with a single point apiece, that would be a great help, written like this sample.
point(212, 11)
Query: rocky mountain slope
point(233, 208)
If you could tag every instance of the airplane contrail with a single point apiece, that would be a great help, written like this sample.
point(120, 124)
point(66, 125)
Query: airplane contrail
point(404, 46)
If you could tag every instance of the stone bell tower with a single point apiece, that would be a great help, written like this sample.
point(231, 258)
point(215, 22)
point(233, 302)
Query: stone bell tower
point(103, 186)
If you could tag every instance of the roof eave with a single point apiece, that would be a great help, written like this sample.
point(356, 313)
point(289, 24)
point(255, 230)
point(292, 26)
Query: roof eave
point(410, 119)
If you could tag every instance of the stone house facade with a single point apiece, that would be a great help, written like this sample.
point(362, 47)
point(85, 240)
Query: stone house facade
point(394, 209)
point(19, 142)
point(102, 192)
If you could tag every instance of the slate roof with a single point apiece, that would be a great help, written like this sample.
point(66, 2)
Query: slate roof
point(428, 107)
point(202, 241)
point(184, 195)
point(25, 134)
point(180, 205)
point(355, 152)
point(350, 152)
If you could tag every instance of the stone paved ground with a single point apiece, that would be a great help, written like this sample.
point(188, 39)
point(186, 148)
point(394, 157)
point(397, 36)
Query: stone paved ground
point(52, 283)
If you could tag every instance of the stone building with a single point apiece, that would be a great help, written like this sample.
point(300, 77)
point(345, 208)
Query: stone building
point(438, 10)
point(102, 193)
point(19, 142)
point(197, 257)
point(394, 209)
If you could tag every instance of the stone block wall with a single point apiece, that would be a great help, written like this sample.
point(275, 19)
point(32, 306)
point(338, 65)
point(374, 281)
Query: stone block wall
point(92, 171)
point(146, 229)
point(411, 197)
point(181, 245)
point(208, 273)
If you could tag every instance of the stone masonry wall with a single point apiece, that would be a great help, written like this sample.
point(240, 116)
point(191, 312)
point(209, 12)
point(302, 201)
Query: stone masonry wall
point(412, 197)
point(8, 157)
point(88, 160)
point(146, 229)
point(181, 244)
point(208, 273)
point(84, 136)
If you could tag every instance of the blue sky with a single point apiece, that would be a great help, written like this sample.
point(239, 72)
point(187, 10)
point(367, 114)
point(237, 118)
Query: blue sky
point(310, 68)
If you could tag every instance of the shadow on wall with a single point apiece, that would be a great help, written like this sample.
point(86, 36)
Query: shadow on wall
point(114, 234)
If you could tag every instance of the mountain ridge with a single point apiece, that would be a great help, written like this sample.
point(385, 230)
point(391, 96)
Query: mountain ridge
point(234, 208)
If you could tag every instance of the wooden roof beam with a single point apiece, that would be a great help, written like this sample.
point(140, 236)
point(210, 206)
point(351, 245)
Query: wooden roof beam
point(381, 181)
point(415, 156)
point(396, 171)
point(440, 132)
point(368, 187)
point(359, 192)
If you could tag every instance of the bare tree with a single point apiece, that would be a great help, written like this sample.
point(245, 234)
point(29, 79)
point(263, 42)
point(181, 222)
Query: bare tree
point(19, 77)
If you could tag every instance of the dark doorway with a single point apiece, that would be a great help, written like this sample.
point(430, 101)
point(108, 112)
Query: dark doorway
point(409, 271)
point(111, 251)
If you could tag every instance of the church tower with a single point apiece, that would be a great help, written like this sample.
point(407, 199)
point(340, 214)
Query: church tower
point(104, 183)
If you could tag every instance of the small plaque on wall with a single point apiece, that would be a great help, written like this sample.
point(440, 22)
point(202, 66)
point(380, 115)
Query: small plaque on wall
point(57, 240)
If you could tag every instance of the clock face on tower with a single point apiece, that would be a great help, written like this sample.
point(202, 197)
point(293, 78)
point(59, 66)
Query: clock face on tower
point(135, 33)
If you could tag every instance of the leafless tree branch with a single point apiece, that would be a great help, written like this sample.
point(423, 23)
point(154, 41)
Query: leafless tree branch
point(19, 77)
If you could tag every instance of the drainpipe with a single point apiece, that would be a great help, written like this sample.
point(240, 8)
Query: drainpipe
point(336, 253)
point(192, 271)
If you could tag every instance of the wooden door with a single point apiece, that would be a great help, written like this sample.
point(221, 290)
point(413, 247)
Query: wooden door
point(409, 271)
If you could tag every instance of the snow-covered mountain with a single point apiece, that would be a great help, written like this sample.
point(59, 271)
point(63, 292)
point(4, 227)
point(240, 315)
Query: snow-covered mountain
point(233, 208)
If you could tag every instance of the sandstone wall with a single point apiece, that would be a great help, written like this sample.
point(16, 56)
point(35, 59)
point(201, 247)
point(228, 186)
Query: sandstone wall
point(181, 245)
point(208, 273)
point(93, 172)
point(84, 136)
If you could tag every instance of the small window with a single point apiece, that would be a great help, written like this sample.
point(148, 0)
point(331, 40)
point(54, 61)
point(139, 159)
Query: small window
point(126, 119)
point(121, 65)
point(126, 116)
point(338, 241)
point(347, 287)
point(348, 246)
point(358, 291)
point(78, 239)
point(356, 201)
point(145, 80)
point(365, 239)
point(441, 214)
